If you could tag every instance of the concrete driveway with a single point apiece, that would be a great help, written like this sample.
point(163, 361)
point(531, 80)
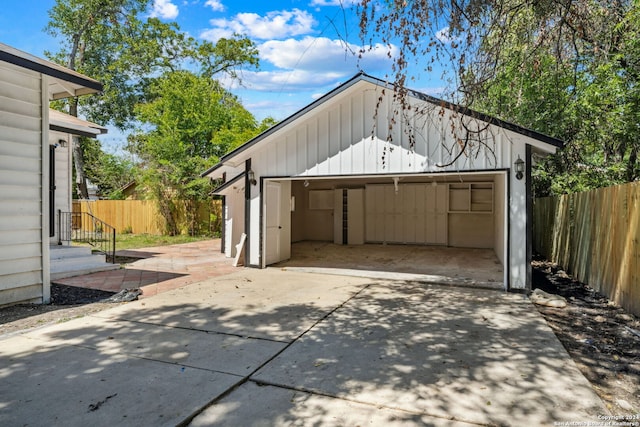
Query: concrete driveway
point(272, 347)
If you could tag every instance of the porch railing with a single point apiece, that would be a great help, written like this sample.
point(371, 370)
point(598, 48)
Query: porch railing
point(83, 227)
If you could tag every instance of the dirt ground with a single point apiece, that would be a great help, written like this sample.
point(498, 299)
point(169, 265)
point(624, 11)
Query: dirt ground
point(602, 339)
point(67, 302)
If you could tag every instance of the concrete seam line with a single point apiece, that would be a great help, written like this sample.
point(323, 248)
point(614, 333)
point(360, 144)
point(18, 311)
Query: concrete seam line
point(183, 328)
point(231, 389)
point(263, 383)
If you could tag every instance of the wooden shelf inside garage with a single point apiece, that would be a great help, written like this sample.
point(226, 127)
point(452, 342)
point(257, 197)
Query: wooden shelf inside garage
point(471, 197)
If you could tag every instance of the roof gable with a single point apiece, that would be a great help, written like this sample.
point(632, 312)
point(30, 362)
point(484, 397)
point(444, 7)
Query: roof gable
point(64, 83)
point(236, 156)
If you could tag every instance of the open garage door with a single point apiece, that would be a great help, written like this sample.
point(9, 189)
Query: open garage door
point(426, 214)
point(277, 221)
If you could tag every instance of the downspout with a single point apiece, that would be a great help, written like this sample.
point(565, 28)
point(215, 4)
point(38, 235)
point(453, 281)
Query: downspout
point(247, 211)
point(507, 214)
point(223, 225)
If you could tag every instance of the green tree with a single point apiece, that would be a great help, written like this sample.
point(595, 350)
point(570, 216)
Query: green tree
point(193, 121)
point(569, 69)
point(109, 172)
point(115, 42)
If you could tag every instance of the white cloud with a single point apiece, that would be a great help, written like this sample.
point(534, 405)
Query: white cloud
point(274, 25)
point(310, 64)
point(444, 36)
point(278, 109)
point(215, 5)
point(324, 55)
point(303, 70)
point(281, 81)
point(164, 9)
point(333, 2)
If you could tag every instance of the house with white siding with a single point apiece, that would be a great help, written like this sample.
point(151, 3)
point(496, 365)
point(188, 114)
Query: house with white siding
point(357, 167)
point(27, 85)
point(62, 128)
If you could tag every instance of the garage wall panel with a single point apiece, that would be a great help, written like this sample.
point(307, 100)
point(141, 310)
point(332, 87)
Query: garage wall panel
point(420, 212)
point(334, 142)
point(355, 216)
point(374, 213)
point(417, 213)
point(470, 230)
point(312, 147)
point(358, 135)
point(441, 217)
point(408, 196)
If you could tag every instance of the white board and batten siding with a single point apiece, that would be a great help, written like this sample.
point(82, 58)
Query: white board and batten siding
point(335, 139)
point(23, 141)
point(346, 134)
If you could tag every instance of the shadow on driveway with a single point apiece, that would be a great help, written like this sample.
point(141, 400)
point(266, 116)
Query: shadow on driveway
point(268, 347)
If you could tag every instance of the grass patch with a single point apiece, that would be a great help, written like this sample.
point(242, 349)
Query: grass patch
point(136, 241)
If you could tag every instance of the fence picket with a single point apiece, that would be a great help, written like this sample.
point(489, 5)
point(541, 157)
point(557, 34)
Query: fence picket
point(595, 236)
point(142, 216)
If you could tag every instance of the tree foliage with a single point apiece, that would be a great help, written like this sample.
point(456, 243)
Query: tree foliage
point(189, 122)
point(109, 172)
point(117, 43)
point(568, 68)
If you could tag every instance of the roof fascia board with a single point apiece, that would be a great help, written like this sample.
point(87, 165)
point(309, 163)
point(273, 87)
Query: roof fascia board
point(228, 184)
point(66, 123)
point(272, 130)
point(74, 130)
point(551, 142)
point(25, 60)
point(471, 113)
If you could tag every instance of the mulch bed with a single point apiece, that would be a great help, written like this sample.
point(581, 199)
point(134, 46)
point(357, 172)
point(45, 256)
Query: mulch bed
point(598, 334)
point(71, 295)
point(67, 302)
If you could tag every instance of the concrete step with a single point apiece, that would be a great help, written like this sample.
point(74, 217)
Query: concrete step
point(60, 252)
point(70, 261)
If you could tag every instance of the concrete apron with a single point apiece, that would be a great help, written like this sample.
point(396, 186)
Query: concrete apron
point(269, 347)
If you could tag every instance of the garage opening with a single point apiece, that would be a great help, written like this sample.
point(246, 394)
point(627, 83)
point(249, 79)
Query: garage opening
point(452, 226)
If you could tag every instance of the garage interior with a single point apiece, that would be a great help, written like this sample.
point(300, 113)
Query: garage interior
point(445, 225)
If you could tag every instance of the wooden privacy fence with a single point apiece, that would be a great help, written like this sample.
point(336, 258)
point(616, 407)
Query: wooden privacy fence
point(143, 216)
point(595, 236)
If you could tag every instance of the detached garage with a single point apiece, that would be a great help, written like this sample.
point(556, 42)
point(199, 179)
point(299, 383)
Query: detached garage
point(440, 176)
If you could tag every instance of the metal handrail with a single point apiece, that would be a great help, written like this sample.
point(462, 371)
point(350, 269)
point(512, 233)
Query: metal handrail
point(83, 227)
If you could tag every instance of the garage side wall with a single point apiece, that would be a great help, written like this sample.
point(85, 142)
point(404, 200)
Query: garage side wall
point(23, 247)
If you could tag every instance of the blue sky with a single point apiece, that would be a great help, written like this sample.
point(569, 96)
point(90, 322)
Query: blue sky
point(305, 45)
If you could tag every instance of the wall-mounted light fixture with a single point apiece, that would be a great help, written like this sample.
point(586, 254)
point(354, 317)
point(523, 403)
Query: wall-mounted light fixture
point(62, 143)
point(252, 177)
point(518, 166)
